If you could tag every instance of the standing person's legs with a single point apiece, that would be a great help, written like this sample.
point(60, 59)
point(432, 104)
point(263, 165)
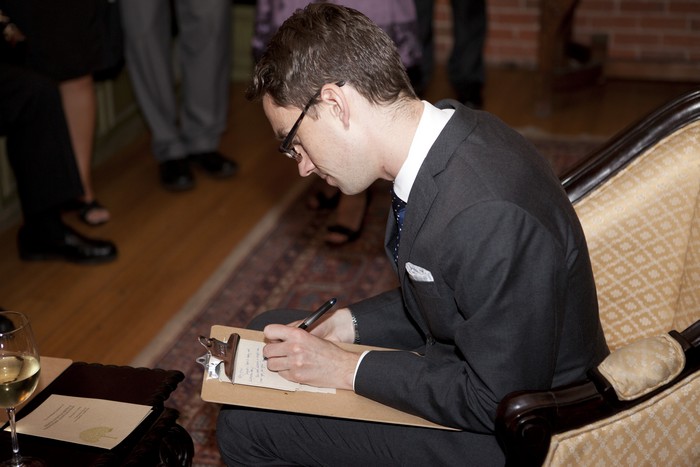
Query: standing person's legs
point(148, 50)
point(38, 144)
point(424, 15)
point(80, 107)
point(204, 46)
point(466, 64)
point(41, 156)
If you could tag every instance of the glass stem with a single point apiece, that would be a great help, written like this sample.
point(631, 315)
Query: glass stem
point(16, 458)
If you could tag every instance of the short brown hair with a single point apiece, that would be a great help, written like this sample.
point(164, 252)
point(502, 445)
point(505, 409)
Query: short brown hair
point(327, 43)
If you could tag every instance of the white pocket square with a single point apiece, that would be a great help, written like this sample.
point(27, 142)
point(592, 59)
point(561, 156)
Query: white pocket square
point(418, 274)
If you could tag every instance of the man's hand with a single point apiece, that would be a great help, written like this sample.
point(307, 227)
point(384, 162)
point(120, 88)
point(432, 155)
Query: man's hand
point(335, 326)
point(302, 357)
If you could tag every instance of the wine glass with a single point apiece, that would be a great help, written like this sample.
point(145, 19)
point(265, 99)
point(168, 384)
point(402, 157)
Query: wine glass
point(19, 374)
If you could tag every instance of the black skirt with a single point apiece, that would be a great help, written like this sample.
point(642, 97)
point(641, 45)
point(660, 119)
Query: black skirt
point(63, 36)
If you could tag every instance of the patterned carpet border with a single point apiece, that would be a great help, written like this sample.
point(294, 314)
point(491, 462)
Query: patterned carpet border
point(286, 264)
point(290, 267)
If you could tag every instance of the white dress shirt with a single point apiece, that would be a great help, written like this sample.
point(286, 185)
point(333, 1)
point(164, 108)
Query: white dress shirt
point(431, 124)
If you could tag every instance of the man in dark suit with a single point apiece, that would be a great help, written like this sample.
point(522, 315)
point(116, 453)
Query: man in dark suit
point(496, 295)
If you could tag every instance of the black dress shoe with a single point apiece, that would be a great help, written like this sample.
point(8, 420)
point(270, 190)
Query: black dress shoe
point(70, 246)
point(175, 175)
point(214, 163)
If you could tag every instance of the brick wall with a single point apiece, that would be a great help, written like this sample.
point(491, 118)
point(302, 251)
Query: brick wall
point(646, 38)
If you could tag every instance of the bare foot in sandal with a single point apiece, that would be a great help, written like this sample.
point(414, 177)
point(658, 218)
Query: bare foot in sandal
point(325, 199)
point(90, 212)
point(93, 213)
point(349, 219)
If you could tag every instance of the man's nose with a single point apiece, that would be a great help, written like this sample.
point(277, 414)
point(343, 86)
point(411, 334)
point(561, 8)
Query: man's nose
point(306, 167)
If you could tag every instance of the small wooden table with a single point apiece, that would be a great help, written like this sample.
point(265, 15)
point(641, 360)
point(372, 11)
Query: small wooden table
point(158, 440)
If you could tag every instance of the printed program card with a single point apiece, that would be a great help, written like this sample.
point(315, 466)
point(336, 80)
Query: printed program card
point(92, 422)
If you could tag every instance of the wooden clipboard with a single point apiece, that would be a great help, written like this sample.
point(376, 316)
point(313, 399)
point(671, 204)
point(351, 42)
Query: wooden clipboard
point(342, 404)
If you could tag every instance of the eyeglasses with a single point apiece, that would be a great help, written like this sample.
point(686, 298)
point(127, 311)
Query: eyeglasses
point(287, 148)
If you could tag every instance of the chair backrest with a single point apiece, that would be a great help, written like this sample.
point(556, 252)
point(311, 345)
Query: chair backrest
point(638, 199)
point(643, 231)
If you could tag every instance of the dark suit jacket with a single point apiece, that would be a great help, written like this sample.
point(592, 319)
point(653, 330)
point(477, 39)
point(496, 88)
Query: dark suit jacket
point(512, 305)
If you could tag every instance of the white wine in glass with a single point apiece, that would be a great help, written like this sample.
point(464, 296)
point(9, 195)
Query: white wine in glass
point(19, 374)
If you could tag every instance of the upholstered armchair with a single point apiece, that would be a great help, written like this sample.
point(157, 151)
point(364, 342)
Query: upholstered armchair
point(638, 199)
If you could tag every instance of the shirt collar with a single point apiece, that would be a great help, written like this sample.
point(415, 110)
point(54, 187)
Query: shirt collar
point(431, 124)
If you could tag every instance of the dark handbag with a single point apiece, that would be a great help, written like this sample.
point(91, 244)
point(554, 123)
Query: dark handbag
point(109, 25)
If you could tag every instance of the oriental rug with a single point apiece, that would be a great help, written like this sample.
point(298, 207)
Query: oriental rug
point(285, 263)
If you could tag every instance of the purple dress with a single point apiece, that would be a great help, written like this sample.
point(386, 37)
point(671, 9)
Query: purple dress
point(396, 17)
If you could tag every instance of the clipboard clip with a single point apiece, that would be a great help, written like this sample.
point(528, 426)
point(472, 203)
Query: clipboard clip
point(219, 352)
point(214, 346)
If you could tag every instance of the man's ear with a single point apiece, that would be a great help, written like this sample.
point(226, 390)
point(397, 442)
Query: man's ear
point(337, 101)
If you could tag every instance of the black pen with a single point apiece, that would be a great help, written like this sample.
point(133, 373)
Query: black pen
point(317, 314)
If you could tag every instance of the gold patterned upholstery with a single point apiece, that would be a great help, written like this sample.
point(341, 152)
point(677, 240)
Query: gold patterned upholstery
point(662, 431)
point(638, 199)
point(643, 366)
point(643, 229)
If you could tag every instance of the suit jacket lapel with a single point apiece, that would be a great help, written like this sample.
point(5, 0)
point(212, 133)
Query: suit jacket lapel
point(425, 190)
point(423, 195)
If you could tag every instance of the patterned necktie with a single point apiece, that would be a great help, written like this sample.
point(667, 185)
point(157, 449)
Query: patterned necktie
point(399, 207)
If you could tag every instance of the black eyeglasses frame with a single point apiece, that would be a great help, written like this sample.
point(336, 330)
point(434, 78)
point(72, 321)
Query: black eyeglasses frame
point(286, 147)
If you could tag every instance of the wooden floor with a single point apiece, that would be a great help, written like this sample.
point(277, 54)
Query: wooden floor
point(171, 243)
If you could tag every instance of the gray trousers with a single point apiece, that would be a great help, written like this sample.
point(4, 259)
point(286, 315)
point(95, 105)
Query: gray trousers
point(203, 53)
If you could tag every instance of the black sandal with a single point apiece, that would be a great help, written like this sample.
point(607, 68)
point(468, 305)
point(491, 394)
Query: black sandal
point(326, 203)
point(350, 235)
point(84, 209)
